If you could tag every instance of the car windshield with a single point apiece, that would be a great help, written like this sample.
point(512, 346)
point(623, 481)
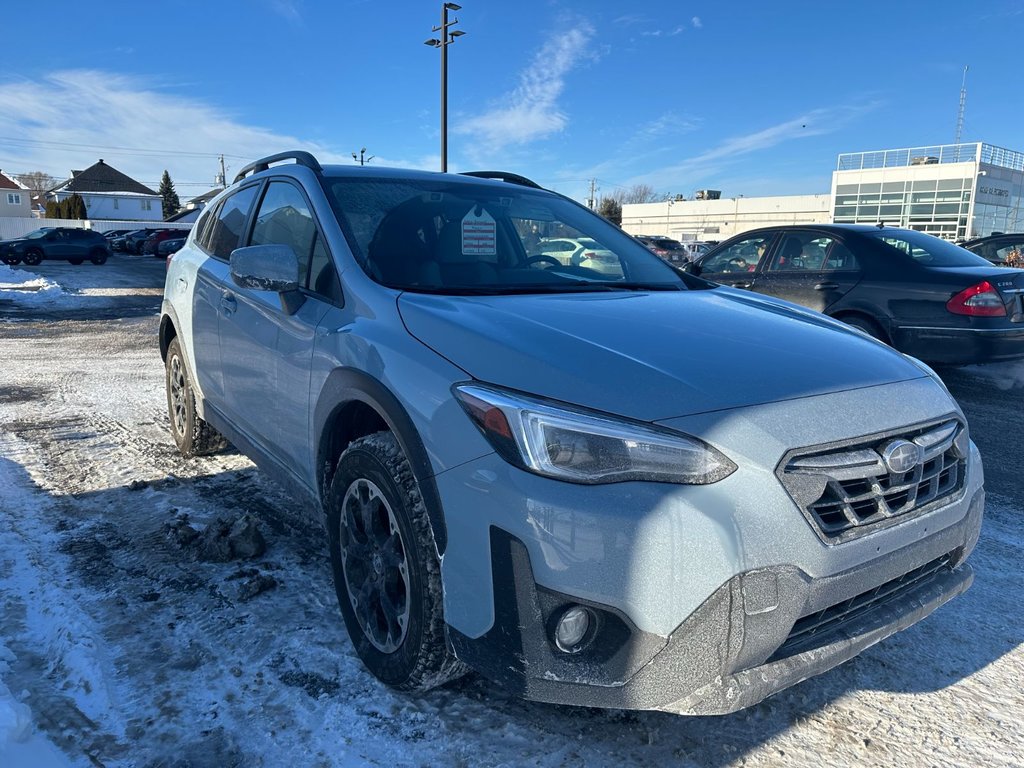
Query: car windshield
point(438, 236)
point(928, 249)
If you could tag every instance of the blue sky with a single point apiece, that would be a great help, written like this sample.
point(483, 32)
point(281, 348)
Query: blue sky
point(751, 98)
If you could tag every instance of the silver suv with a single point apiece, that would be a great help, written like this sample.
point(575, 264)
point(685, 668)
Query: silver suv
point(626, 488)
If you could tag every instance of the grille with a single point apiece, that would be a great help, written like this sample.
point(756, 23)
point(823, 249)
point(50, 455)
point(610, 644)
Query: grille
point(851, 490)
point(818, 628)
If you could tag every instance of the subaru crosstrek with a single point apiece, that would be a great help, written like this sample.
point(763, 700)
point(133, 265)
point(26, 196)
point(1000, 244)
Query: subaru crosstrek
point(627, 488)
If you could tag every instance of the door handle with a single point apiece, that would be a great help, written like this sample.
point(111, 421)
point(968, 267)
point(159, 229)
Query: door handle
point(228, 304)
point(827, 287)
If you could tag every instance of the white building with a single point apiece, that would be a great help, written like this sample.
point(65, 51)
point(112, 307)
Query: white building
point(110, 194)
point(15, 198)
point(723, 218)
point(955, 191)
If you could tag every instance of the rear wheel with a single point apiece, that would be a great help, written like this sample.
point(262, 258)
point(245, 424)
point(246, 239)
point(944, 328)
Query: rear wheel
point(11, 261)
point(97, 256)
point(386, 569)
point(867, 325)
point(33, 257)
point(192, 435)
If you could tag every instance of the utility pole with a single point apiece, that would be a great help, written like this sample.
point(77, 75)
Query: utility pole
point(593, 192)
point(446, 39)
point(963, 104)
point(223, 180)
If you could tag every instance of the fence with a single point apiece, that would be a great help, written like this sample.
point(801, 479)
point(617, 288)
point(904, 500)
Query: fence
point(16, 226)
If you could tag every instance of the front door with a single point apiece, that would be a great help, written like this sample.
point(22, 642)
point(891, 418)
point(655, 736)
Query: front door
point(809, 268)
point(736, 265)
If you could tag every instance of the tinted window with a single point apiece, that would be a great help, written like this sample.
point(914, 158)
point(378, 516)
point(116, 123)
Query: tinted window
point(741, 256)
point(323, 277)
point(204, 228)
point(926, 249)
point(230, 223)
point(284, 219)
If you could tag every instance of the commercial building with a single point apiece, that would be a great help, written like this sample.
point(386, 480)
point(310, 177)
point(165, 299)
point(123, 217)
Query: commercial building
point(954, 191)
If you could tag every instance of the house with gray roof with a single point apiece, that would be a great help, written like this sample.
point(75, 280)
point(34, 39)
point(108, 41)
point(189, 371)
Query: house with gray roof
point(110, 194)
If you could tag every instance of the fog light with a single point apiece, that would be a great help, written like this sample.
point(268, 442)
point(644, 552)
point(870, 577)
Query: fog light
point(572, 628)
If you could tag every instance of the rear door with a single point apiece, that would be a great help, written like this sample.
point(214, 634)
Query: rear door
point(810, 268)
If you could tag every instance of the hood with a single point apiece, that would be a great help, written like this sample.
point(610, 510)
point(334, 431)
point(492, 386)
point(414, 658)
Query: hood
point(652, 355)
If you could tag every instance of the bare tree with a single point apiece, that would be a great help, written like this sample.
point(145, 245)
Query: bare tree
point(639, 193)
point(37, 182)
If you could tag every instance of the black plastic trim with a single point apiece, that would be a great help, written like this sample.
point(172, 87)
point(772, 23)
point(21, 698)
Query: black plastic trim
point(511, 178)
point(299, 156)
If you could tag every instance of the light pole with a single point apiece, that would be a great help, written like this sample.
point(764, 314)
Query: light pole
point(446, 39)
point(361, 157)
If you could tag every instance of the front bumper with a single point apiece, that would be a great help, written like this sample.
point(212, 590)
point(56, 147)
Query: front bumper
point(737, 648)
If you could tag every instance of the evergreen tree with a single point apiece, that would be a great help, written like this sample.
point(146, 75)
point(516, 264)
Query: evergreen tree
point(77, 208)
point(62, 208)
point(52, 209)
point(610, 208)
point(170, 202)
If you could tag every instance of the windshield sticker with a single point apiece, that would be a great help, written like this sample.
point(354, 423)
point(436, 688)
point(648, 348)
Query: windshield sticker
point(478, 234)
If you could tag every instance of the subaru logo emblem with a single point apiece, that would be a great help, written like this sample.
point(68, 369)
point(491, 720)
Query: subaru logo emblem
point(901, 456)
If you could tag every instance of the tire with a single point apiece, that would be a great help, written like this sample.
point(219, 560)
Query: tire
point(382, 548)
point(867, 325)
point(98, 256)
point(33, 258)
point(11, 261)
point(76, 262)
point(192, 435)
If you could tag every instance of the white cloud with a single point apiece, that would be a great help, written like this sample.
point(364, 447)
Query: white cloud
point(697, 23)
point(531, 111)
point(71, 119)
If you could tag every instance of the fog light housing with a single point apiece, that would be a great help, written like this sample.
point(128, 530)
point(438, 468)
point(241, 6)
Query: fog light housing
point(572, 629)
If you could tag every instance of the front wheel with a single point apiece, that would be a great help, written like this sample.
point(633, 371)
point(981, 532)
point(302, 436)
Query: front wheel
point(867, 325)
point(386, 569)
point(98, 257)
point(11, 261)
point(192, 435)
point(33, 258)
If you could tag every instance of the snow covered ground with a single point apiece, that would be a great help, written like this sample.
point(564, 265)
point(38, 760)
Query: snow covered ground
point(123, 645)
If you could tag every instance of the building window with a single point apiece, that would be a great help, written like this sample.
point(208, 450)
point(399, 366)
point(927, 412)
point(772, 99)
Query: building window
point(146, 205)
point(13, 198)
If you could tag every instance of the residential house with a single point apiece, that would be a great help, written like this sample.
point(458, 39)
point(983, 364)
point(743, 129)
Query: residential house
point(191, 210)
point(110, 194)
point(15, 197)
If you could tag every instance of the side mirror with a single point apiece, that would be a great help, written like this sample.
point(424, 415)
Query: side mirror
point(269, 268)
point(691, 268)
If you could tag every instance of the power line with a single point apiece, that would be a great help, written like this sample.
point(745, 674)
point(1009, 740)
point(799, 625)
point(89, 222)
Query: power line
point(140, 151)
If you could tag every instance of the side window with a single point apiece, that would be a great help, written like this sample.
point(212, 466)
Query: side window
point(741, 256)
point(801, 252)
point(840, 258)
point(202, 228)
point(284, 218)
point(230, 223)
point(1012, 254)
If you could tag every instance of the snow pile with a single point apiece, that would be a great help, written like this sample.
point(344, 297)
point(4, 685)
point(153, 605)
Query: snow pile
point(27, 287)
point(20, 746)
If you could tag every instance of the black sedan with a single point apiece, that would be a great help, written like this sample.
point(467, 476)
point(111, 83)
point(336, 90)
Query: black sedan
point(1004, 250)
point(923, 295)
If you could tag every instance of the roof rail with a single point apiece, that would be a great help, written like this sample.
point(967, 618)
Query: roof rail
point(299, 156)
point(511, 178)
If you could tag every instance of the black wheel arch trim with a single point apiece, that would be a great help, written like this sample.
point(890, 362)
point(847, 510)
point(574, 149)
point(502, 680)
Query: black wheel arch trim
point(345, 386)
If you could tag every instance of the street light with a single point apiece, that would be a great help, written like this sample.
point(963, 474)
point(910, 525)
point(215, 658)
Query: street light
point(446, 39)
point(361, 157)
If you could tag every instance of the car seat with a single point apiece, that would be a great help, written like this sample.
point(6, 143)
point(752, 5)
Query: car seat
point(789, 256)
point(460, 268)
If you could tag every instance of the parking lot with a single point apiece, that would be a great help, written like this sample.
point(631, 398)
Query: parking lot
point(132, 647)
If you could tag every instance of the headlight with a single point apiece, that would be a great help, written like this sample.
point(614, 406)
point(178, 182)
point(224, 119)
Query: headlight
point(581, 447)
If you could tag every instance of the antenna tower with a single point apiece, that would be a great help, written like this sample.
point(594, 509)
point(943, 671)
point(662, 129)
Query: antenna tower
point(963, 104)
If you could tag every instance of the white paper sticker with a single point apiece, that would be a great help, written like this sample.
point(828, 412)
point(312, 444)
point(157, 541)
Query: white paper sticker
point(478, 234)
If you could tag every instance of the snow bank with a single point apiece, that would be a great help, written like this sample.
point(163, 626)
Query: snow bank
point(20, 746)
point(27, 287)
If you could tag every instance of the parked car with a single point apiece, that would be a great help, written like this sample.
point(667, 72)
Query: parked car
point(638, 490)
point(134, 240)
point(118, 243)
point(580, 252)
point(59, 243)
point(919, 293)
point(666, 248)
point(149, 245)
point(1003, 250)
point(169, 246)
point(110, 234)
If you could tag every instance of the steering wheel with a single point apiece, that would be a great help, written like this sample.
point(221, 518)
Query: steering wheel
point(543, 259)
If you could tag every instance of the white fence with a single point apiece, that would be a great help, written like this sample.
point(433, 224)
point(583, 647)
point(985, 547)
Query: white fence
point(16, 226)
